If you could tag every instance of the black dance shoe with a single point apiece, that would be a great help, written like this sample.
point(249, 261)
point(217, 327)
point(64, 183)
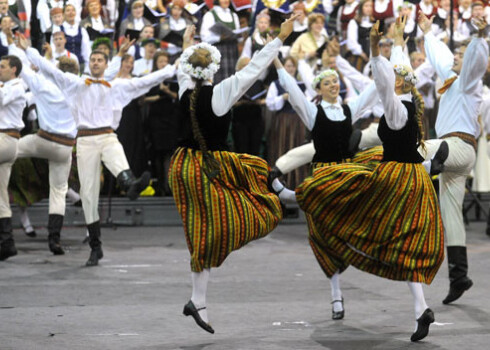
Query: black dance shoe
point(31, 234)
point(437, 163)
point(191, 310)
point(338, 315)
point(457, 289)
point(7, 249)
point(95, 255)
point(423, 323)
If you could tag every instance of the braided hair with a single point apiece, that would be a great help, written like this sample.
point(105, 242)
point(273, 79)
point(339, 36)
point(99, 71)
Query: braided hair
point(419, 113)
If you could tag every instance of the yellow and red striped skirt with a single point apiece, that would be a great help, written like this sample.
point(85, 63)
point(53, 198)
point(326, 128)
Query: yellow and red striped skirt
point(223, 214)
point(382, 218)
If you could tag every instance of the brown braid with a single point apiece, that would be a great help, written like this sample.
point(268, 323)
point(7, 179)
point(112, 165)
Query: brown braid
point(419, 113)
point(211, 166)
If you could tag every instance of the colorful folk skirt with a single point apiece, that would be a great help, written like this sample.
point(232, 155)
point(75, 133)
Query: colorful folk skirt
point(382, 218)
point(223, 214)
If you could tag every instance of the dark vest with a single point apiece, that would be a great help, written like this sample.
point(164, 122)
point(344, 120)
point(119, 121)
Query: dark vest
point(287, 108)
point(331, 138)
point(363, 38)
point(137, 53)
point(401, 145)
point(4, 50)
point(213, 128)
point(74, 43)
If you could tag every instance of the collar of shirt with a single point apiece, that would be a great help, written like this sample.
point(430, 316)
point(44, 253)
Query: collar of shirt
point(12, 82)
point(406, 97)
point(328, 105)
point(220, 9)
point(69, 26)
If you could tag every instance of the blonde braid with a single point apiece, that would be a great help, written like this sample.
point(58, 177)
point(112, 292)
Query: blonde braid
point(419, 113)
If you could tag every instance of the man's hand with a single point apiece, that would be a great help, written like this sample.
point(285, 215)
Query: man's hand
point(188, 38)
point(375, 37)
point(10, 36)
point(287, 27)
point(481, 24)
point(399, 30)
point(126, 44)
point(22, 42)
point(48, 51)
point(425, 24)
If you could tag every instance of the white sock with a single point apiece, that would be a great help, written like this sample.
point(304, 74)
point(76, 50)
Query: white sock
point(199, 288)
point(72, 195)
point(336, 292)
point(285, 194)
point(25, 221)
point(427, 165)
point(418, 298)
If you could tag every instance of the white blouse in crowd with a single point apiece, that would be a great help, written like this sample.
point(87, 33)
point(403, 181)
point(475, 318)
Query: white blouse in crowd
point(230, 90)
point(138, 23)
point(247, 46)
point(208, 21)
point(12, 103)
point(460, 104)
point(381, 6)
point(352, 34)
point(96, 105)
point(97, 24)
point(132, 51)
point(66, 53)
point(346, 9)
point(44, 11)
point(307, 110)
point(53, 112)
point(72, 30)
point(142, 67)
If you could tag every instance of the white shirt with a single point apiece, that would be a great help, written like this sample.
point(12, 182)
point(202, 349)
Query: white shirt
point(229, 91)
point(3, 39)
point(353, 37)
point(307, 110)
point(97, 24)
point(138, 23)
point(44, 12)
point(132, 51)
point(485, 110)
point(460, 104)
point(142, 67)
point(12, 103)
point(66, 53)
point(345, 9)
point(208, 21)
point(72, 30)
point(96, 105)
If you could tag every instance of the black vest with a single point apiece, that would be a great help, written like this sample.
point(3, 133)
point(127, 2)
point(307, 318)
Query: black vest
point(331, 138)
point(401, 145)
point(213, 128)
point(363, 38)
point(287, 108)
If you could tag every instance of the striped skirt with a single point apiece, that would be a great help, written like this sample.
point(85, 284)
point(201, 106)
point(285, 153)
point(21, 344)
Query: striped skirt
point(224, 214)
point(382, 218)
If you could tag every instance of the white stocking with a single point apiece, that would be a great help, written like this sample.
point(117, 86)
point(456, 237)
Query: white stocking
point(427, 164)
point(285, 195)
point(199, 287)
point(418, 299)
point(25, 221)
point(336, 292)
point(72, 195)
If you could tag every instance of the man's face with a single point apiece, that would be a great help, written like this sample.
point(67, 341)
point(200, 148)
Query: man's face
point(150, 50)
point(477, 12)
point(97, 65)
point(417, 60)
point(4, 6)
point(385, 50)
point(6, 72)
point(59, 41)
point(458, 59)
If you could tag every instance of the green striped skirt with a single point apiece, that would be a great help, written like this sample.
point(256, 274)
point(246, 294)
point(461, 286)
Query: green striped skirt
point(223, 214)
point(382, 218)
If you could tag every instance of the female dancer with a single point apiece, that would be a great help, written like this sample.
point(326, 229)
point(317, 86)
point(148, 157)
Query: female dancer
point(394, 225)
point(221, 196)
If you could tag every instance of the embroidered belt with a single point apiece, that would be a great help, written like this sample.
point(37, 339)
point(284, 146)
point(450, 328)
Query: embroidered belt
point(62, 140)
point(11, 132)
point(469, 139)
point(95, 132)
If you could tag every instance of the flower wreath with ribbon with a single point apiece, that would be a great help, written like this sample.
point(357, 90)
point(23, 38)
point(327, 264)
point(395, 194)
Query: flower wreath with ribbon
point(206, 73)
point(404, 72)
point(323, 75)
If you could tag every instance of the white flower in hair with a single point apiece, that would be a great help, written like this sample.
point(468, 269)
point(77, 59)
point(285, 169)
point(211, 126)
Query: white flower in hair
point(408, 75)
point(206, 73)
point(323, 75)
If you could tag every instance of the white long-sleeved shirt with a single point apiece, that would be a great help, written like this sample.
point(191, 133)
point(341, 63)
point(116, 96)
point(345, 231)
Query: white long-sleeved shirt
point(307, 110)
point(396, 113)
point(229, 91)
point(208, 21)
point(485, 110)
point(352, 34)
point(12, 103)
point(97, 106)
point(460, 104)
point(53, 112)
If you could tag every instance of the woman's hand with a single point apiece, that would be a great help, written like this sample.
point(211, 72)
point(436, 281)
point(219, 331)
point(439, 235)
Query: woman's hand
point(399, 30)
point(375, 37)
point(425, 24)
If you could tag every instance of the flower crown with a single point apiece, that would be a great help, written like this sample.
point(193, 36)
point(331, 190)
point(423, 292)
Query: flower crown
point(323, 75)
point(206, 73)
point(405, 73)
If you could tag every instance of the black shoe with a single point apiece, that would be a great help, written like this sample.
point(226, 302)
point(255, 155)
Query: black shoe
point(78, 203)
point(31, 234)
point(138, 185)
point(338, 315)
point(488, 230)
point(55, 246)
point(190, 310)
point(95, 255)
point(456, 289)
point(7, 250)
point(437, 163)
point(423, 323)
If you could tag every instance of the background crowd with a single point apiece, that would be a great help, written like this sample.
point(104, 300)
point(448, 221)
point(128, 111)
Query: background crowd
point(264, 123)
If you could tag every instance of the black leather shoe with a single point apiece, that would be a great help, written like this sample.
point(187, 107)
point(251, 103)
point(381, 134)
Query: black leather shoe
point(457, 289)
point(338, 315)
point(31, 234)
point(437, 163)
point(95, 255)
point(7, 250)
point(55, 245)
point(423, 323)
point(138, 185)
point(190, 310)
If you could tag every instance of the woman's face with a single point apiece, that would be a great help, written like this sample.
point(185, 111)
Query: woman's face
point(317, 26)
point(224, 3)
point(301, 14)
point(137, 11)
point(94, 9)
point(329, 88)
point(176, 12)
point(70, 13)
point(367, 8)
point(162, 62)
point(263, 24)
point(127, 65)
point(290, 67)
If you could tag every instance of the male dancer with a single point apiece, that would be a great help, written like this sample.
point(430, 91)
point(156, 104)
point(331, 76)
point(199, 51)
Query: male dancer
point(12, 103)
point(457, 124)
point(96, 106)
